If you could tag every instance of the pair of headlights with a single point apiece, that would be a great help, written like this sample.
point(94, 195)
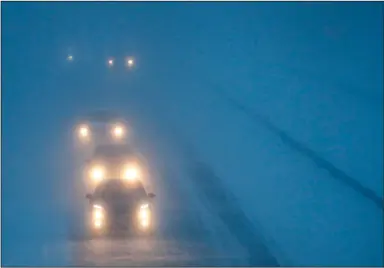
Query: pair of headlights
point(129, 172)
point(143, 216)
point(117, 131)
point(129, 62)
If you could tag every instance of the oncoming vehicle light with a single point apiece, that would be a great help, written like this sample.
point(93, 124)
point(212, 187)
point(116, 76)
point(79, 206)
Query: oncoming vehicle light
point(97, 206)
point(110, 62)
point(144, 215)
point(144, 223)
point(118, 131)
point(131, 173)
point(98, 216)
point(84, 132)
point(97, 173)
point(130, 62)
point(98, 224)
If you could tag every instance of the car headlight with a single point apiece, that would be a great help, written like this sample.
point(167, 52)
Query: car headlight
point(98, 216)
point(131, 173)
point(84, 132)
point(97, 173)
point(110, 62)
point(130, 62)
point(118, 131)
point(98, 212)
point(98, 224)
point(144, 215)
point(144, 223)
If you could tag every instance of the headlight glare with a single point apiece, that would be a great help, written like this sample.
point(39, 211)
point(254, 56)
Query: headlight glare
point(144, 223)
point(130, 62)
point(131, 173)
point(97, 173)
point(98, 224)
point(83, 132)
point(98, 216)
point(95, 206)
point(144, 215)
point(118, 131)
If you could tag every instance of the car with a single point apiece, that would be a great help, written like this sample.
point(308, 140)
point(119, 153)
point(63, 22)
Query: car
point(114, 161)
point(101, 127)
point(117, 207)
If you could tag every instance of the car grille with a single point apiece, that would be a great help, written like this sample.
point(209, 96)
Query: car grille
point(118, 212)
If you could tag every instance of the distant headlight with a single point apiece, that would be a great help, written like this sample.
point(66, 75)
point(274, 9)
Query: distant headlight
point(130, 62)
point(84, 132)
point(118, 131)
point(97, 173)
point(110, 62)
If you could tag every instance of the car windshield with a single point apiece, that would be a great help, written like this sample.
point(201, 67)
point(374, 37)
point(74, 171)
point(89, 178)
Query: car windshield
point(115, 191)
point(113, 151)
point(102, 116)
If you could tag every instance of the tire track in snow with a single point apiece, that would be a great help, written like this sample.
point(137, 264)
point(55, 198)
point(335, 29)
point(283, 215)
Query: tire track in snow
point(320, 162)
point(296, 145)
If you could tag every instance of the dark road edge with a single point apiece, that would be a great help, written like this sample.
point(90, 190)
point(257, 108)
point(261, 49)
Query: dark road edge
point(335, 172)
point(320, 162)
point(218, 197)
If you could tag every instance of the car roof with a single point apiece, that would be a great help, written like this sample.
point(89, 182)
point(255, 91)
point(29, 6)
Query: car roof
point(113, 150)
point(103, 115)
